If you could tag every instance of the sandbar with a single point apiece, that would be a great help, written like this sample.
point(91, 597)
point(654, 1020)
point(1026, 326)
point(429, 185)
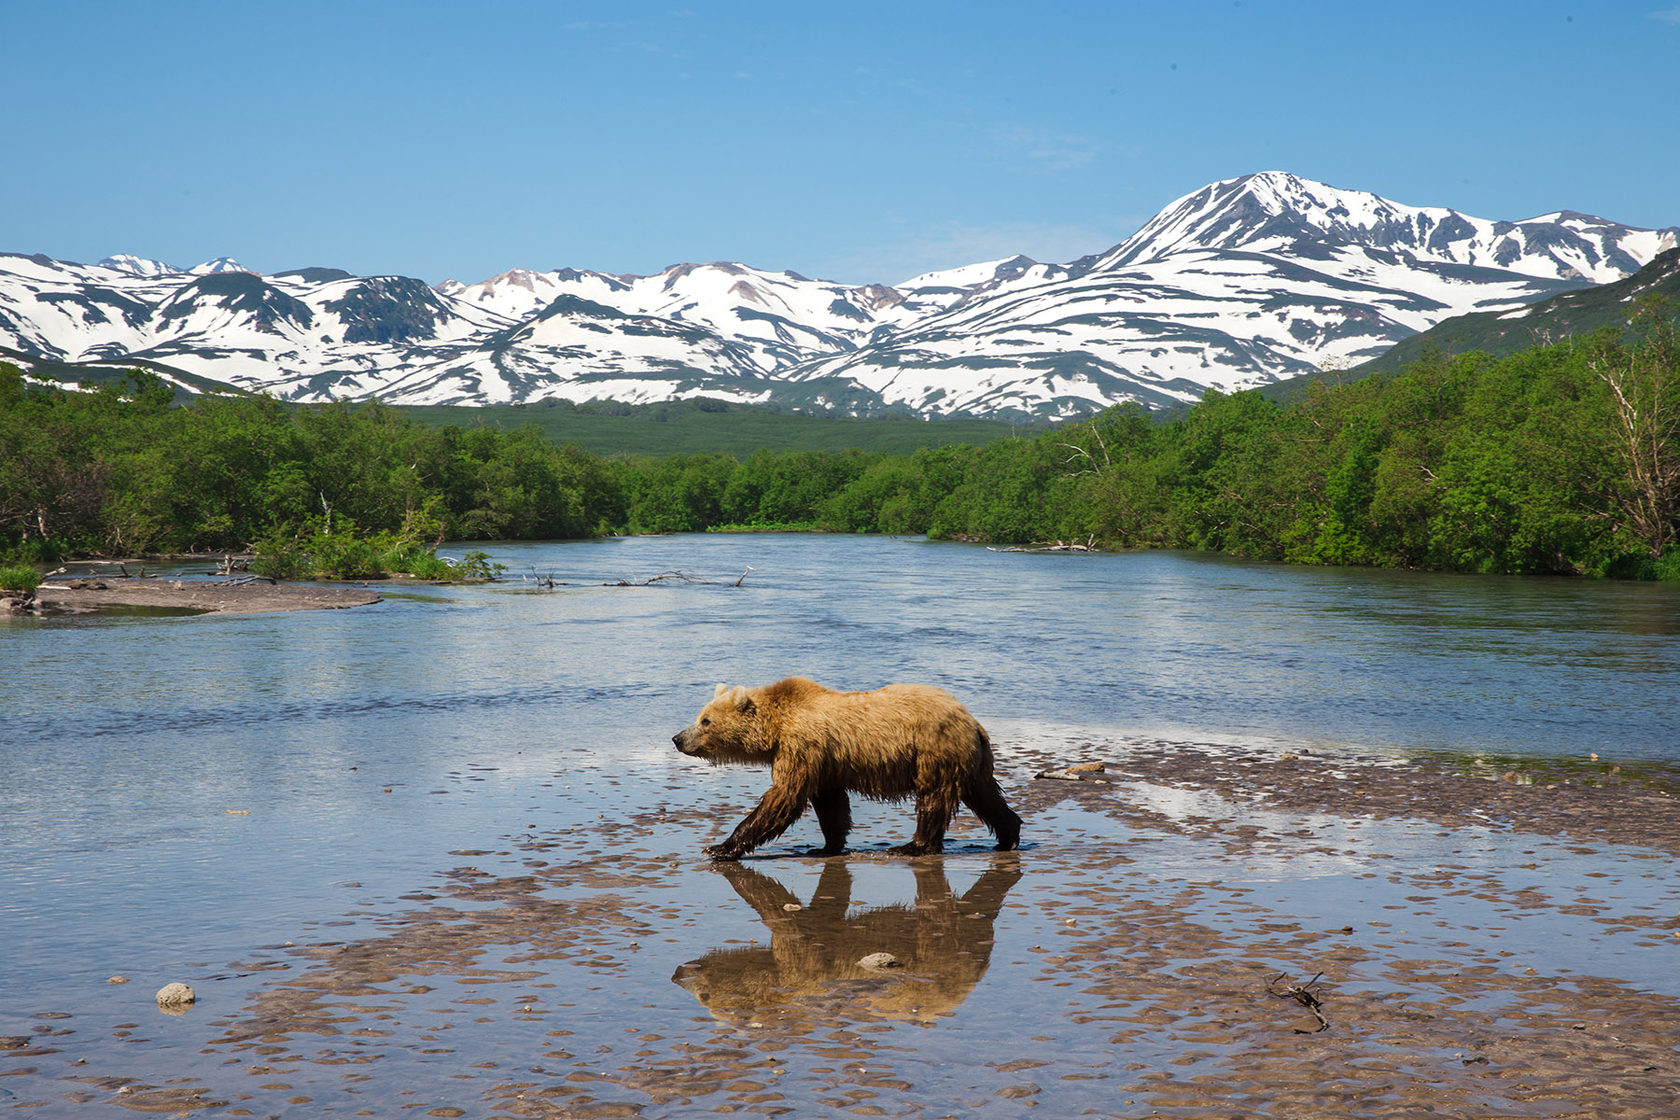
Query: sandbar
point(232, 596)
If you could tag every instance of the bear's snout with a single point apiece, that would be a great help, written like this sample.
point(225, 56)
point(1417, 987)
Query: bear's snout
point(681, 739)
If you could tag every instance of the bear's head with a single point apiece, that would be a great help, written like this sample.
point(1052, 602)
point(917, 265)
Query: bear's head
point(729, 729)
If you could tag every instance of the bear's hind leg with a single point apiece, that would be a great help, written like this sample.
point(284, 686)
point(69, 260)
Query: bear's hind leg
point(985, 800)
point(834, 814)
point(934, 808)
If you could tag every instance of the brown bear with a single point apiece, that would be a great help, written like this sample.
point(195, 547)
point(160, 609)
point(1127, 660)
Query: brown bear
point(896, 742)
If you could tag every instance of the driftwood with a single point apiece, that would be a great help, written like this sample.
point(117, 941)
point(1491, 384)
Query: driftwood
point(1301, 994)
point(1090, 545)
point(1079, 772)
point(544, 580)
point(676, 577)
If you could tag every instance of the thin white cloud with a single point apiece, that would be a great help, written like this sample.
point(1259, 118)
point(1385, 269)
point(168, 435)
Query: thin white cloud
point(1054, 151)
point(1668, 15)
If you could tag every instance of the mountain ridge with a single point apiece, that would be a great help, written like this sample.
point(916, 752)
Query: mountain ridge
point(1245, 282)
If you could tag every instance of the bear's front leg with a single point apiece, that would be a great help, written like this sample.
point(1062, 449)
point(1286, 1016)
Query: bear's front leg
point(775, 811)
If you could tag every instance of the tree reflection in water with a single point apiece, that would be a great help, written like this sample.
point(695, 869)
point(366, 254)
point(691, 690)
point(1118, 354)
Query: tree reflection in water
point(809, 976)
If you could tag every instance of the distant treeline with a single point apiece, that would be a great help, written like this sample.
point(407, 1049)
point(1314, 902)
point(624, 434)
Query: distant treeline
point(1560, 459)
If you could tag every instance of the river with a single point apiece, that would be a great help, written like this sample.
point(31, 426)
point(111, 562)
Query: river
point(180, 792)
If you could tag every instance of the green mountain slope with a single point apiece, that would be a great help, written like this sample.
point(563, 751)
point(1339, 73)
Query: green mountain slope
point(688, 427)
point(1550, 320)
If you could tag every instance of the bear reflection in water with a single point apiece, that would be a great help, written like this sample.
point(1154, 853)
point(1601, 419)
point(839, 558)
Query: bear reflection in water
point(810, 971)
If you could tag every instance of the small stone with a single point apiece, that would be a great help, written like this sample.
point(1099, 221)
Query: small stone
point(880, 960)
point(176, 998)
point(116, 980)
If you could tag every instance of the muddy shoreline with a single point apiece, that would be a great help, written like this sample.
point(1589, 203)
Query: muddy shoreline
point(1127, 962)
point(1583, 799)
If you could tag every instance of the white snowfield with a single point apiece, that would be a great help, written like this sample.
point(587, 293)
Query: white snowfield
point(1238, 284)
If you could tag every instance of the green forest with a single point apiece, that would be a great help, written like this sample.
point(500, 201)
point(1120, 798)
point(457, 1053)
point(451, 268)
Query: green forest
point(1560, 459)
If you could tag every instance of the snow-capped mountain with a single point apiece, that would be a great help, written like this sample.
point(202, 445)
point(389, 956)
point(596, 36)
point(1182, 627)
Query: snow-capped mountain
point(220, 264)
point(1241, 283)
point(1275, 212)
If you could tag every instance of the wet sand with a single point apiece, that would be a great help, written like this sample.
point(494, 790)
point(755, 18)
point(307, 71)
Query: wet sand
point(1481, 942)
point(196, 596)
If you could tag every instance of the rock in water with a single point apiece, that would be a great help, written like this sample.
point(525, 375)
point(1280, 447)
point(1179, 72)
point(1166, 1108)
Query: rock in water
point(176, 998)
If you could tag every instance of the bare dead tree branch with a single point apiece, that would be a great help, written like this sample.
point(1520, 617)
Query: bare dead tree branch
point(1301, 994)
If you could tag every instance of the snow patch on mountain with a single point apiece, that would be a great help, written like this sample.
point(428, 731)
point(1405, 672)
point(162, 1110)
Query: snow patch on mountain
point(138, 266)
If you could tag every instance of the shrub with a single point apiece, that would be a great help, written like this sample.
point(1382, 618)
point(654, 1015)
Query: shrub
point(20, 579)
point(475, 567)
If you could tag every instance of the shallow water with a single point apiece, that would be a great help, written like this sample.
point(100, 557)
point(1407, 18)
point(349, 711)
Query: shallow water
point(183, 797)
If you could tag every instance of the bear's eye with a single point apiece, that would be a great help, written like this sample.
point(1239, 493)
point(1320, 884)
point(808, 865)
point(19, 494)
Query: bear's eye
point(705, 723)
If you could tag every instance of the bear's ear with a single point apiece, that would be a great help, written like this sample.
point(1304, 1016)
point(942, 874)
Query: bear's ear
point(719, 691)
point(742, 699)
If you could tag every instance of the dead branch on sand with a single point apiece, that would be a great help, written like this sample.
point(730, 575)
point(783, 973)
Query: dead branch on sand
point(1301, 994)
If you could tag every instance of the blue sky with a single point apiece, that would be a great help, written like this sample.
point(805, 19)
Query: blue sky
point(857, 142)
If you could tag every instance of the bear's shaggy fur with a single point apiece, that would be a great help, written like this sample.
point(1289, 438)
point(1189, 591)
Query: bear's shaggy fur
point(901, 741)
